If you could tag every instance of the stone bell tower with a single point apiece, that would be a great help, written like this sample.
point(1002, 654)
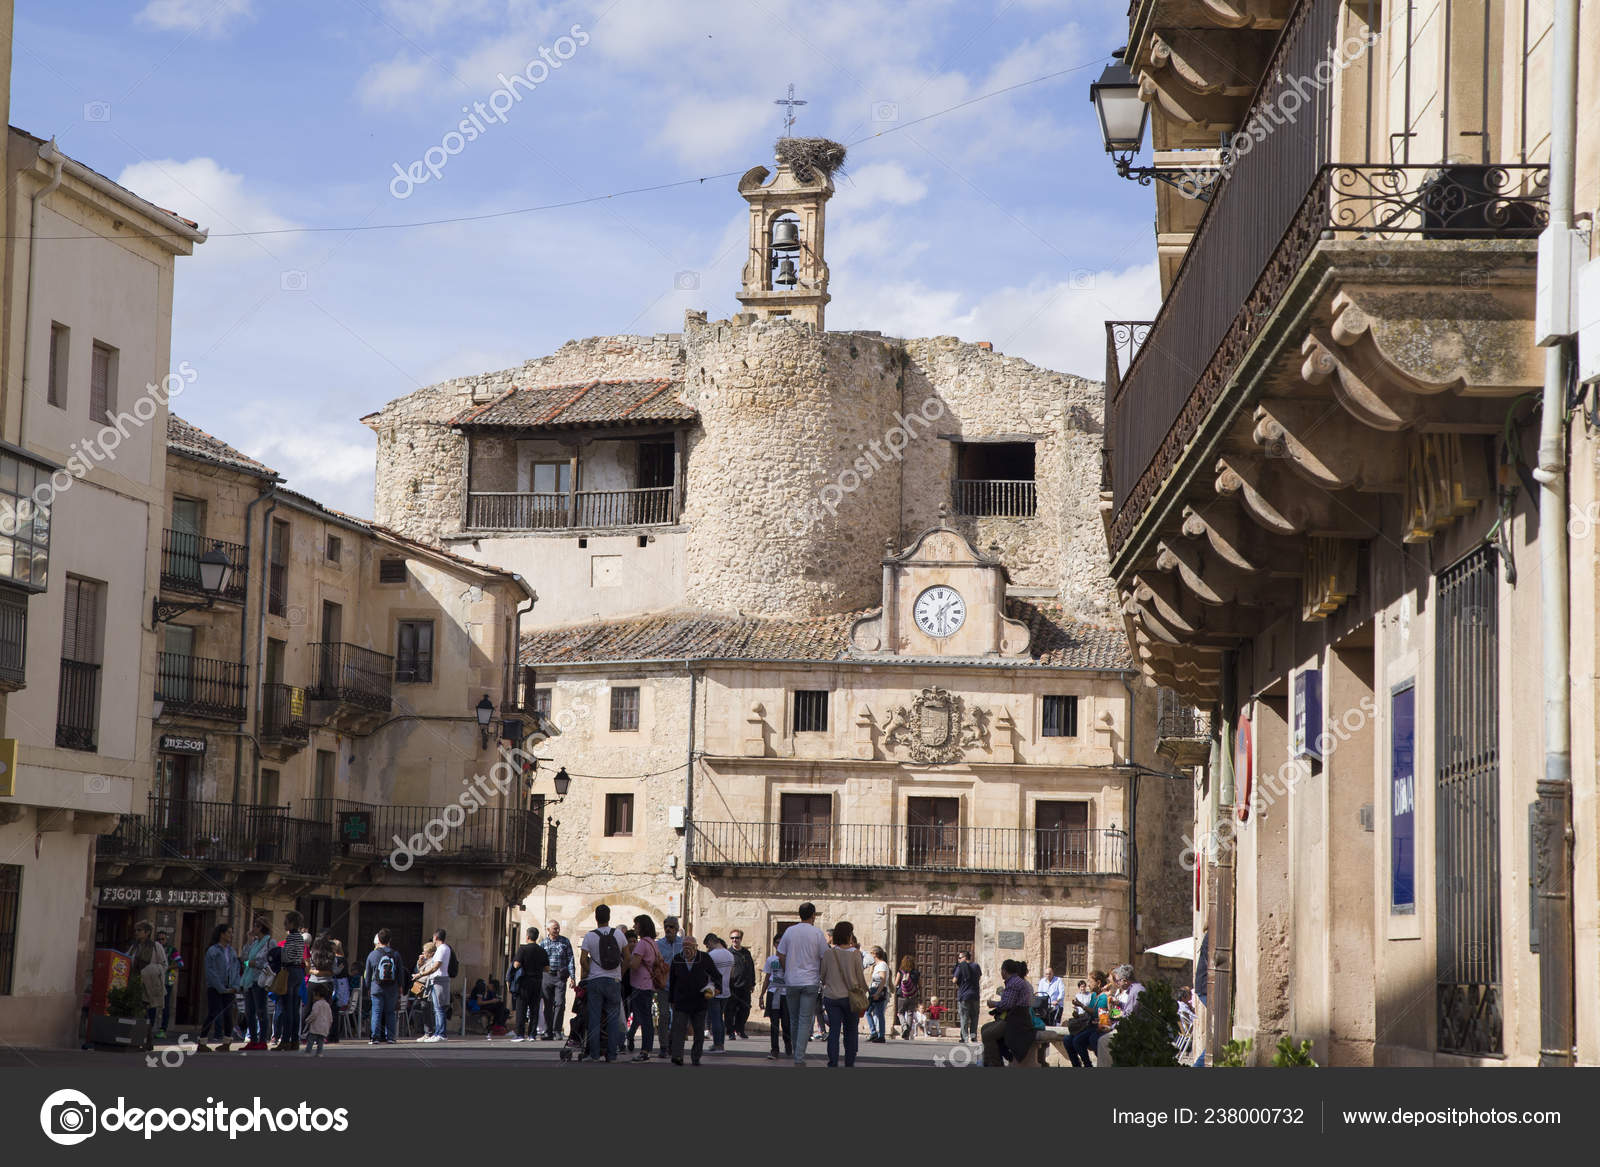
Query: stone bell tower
point(785, 274)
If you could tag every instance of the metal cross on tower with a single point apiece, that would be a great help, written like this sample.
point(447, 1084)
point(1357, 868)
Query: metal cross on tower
point(788, 114)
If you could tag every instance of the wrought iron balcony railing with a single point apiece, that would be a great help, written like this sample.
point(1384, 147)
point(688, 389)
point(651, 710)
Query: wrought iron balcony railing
point(214, 833)
point(352, 675)
point(999, 850)
point(283, 713)
point(495, 836)
point(1177, 720)
point(994, 497)
point(201, 686)
point(548, 510)
point(78, 706)
point(180, 565)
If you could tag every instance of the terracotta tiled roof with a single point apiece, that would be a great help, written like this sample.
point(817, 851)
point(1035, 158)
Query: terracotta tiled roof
point(584, 403)
point(1059, 640)
point(193, 442)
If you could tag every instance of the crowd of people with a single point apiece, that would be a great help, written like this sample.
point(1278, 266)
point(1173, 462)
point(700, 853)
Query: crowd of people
point(639, 991)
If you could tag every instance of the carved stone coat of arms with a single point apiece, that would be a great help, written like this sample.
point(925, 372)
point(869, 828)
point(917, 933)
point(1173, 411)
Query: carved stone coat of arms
point(937, 728)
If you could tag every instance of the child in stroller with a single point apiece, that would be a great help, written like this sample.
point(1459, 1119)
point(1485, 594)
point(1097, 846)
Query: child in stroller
point(576, 1047)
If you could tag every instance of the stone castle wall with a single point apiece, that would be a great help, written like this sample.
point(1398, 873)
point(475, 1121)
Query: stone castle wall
point(421, 479)
point(787, 515)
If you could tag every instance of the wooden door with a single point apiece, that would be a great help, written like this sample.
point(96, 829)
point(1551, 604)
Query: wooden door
point(1069, 955)
point(1061, 836)
point(804, 828)
point(933, 836)
point(934, 942)
point(404, 921)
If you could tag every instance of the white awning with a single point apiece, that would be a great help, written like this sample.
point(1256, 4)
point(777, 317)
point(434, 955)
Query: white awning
point(1177, 949)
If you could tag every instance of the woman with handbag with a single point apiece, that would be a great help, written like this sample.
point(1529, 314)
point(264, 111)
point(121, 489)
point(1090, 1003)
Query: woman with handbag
point(844, 993)
point(257, 976)
point(877, 996)
point(150, 967)
point(289, 982)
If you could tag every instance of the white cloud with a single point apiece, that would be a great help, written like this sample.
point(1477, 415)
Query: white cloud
point(880, 182)
point(218, 199)
point(708, 130)
point(212, 18)
point(389, 82)
point(315, 463)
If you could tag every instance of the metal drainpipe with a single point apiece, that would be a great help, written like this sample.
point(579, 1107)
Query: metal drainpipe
point(261, 618)
point(55, 159)
point(1554, 830)
point(688, 796)
point(1133, 827)
point(244, 643)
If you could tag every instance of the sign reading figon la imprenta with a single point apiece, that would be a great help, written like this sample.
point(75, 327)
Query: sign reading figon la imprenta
point(165, 897)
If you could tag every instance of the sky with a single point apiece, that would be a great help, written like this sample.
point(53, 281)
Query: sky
point(1001, 220)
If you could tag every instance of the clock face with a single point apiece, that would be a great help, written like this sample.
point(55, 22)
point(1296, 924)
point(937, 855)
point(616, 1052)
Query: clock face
point(940, 610)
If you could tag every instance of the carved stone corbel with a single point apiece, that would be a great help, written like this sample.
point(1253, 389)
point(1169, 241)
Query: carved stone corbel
point(1248, 13)
point(1240, 542)
point(1208, 61)
point(1327, 447)
point(1210, 578)
point(1283, 505)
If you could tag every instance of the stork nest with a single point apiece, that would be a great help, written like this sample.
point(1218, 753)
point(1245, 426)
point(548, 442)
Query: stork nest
point(809, 157)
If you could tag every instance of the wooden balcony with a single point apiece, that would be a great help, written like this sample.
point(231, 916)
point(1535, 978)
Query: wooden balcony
point(995, 498)
point(885, 847)
point(650, 506)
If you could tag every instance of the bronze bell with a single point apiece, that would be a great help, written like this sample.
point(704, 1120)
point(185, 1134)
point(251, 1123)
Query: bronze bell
point(786, 235)
point(786, 275)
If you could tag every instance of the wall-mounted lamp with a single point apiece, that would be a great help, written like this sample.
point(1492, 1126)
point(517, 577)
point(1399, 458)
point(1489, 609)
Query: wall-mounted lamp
point(1123, 117)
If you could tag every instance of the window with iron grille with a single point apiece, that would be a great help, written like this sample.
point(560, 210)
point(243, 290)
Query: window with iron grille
point(82, 639)
point(278, 570)
point(102, 383)
point(391, 571)
point(810, 710)
point(10, 909)
point(13, 637)
point(56, 390)
point(1060, 716)
point(619, 816)
point(625, 709)
point(413, 657)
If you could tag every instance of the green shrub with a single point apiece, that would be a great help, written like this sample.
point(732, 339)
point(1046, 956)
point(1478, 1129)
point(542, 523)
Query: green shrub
point(1290, 1054)
point(127, 1001)
point(1236, 1054)
point(1145, 1037)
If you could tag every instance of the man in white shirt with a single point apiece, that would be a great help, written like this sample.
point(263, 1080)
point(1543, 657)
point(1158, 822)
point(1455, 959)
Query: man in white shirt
point(716, 1008)
point(438, 973)
point(1054, 990)
point(602, 947)
point(800, 953)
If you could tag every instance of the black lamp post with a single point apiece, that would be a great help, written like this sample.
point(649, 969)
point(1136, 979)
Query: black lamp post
point(216, 569)
point(1123, 117)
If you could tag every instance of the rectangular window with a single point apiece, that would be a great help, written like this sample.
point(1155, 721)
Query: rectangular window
point(625, 709)
point(13, 643)
point(1060, 716)
point(811, 710)
point(1402, 802)
point(550, 477)
point(269, 788)
point(541, 704)
point(995, 479)
point(619, 816)
point(805, 824)
point(327, 762)
point(335, 548)
point(1061, 836)
point(56, 389)
point(391, 571)
point(278, 570)
point(10, 910)
point(102, 383)
point(413, 658)
point(24, 524)
point(82, 639)
point(933, 838)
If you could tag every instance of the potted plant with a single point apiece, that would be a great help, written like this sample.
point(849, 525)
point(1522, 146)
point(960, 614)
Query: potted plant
point(123, 1023)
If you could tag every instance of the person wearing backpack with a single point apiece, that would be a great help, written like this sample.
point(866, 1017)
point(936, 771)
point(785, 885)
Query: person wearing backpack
point(526, 986)
point(646, 973)
point(383, 973)
point(600, 971)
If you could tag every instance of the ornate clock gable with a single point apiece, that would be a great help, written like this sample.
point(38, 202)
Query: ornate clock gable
point(941, 597)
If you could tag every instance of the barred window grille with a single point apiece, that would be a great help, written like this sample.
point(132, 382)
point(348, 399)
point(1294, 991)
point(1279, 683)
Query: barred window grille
point(811, 710)
point(1060, 716)
point(10, 905)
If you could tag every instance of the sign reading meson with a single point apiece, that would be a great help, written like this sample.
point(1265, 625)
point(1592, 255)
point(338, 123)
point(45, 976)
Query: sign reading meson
point(172, 743)
point(173, 897)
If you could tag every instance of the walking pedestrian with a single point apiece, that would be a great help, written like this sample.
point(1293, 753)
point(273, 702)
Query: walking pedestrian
point(717, 1007)
point(600, 970)
point(669, 945)
point(692, 982)
point(800, 951)
point(844, 989)
point(295, 942)
point(222, 980)
point(775, 1005)
point(877, 996)
point(561, 973)
point(382, 976)
point(641, 960)
point(528, 968)
point(907, 993)
point(257, 976)
point(967, 980)
point(744, 983)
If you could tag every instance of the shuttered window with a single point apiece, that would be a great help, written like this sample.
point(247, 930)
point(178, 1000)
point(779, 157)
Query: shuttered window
point(413, 662)
point(102, 383)
point(80, 631)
